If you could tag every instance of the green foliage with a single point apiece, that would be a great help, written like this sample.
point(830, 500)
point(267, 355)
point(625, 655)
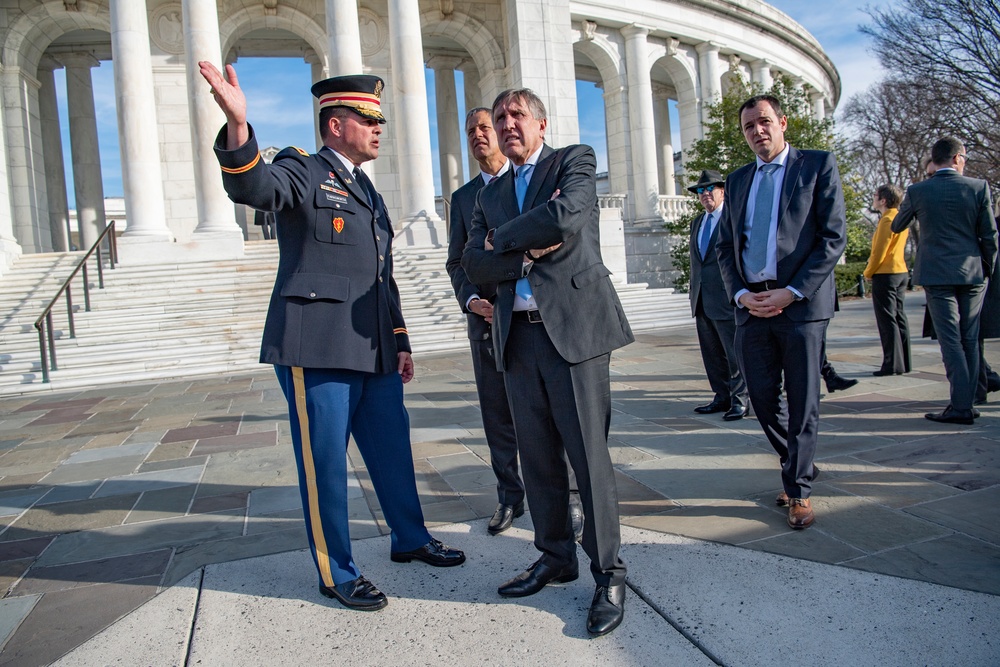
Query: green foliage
point(725, 150)
point(846, 276)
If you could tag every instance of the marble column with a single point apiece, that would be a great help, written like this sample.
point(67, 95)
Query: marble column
point(10, 249)
point(411, 134)
point(87, 182)
point(642, 130)
point(217, 229)
point(540, 34)
point(55, 169)
point(664, 139)
point(147, 236)
point(760, 70)
point(316, 74)
point(344, 35)
point(450, 133)
point(473, 98)
point(818, 104)
point(24, 162)
point(711, 78)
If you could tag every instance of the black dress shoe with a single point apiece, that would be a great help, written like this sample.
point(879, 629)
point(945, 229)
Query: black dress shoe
point(359, 594)
point(576, 516)
point(881, 373)
point(738, 411)
point(836, 382)
point(992, 382)
point(607, 610)
point(952, 416)
point(504, 517)
point(715, 406)
point(536, 577)
point(433, 553)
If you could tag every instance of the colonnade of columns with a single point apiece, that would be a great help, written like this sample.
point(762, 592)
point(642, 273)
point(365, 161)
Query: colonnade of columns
point(647, 175)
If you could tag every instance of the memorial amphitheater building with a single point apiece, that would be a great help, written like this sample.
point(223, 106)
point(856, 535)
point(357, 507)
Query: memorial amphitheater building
point(653, 60)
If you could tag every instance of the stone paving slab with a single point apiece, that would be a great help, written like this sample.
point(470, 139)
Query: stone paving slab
point(935, 487)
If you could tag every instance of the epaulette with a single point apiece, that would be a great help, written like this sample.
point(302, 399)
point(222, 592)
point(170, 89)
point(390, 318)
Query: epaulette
point(300, 150)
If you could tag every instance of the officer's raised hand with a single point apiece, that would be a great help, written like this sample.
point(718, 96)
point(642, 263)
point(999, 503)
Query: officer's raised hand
point(230, 98)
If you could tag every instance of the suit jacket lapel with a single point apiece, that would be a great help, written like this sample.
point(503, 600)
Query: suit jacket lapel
point(793, 164)
point(542, 168)
point(347, 178)
point(506, 195)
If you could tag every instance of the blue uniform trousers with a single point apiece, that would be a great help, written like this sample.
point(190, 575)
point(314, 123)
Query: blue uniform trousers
point(325, 408)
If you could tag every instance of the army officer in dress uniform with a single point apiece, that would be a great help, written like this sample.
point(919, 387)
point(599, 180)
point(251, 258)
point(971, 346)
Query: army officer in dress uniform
point(334, 331)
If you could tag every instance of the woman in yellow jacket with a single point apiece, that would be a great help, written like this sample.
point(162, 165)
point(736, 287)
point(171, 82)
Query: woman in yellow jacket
point(887, 271)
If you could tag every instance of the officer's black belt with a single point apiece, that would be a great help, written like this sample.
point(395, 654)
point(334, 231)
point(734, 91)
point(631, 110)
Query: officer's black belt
point(532, 316)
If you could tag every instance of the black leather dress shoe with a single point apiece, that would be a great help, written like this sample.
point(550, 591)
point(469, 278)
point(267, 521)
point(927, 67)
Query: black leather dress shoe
point(952, 416)
point(714, 406)
point(359, 594)
point(738, 411)
point(881, 373)
point(607, 610)
point(536, 577)
point(504, 517)
point(433, 553)
point(836, 382)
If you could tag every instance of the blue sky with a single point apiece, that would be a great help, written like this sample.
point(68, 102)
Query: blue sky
point(287, 119)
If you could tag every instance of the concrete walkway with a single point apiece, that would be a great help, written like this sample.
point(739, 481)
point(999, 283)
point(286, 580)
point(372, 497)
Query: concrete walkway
point(110, 496)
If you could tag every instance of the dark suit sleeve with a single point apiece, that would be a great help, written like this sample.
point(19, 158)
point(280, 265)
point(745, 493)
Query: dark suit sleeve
point(249, 180)
point(831, 230)
point(726, 246)
point(486, 266)
point(904, 218)
point(560, 218)
point(457, 238)
point(986, 229)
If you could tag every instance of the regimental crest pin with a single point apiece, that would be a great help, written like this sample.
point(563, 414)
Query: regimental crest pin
point(338, 224)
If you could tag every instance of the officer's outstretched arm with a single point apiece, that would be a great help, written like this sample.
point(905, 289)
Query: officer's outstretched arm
point(230, 98)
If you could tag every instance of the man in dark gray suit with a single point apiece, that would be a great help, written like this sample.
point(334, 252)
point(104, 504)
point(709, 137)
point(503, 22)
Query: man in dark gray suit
point(711, 308)
point(955, 257)
point(556, 320)
point(476, 301)
point(783, 229)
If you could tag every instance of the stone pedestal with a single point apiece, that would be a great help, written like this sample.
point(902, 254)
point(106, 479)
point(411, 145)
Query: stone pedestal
point(613, 244)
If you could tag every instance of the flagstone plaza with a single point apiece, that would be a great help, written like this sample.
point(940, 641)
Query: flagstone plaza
point(139, 501)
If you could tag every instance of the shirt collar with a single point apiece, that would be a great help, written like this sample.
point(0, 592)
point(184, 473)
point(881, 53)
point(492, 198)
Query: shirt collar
point(487, 178)
point(533, 158)
point(350, 166)
point(717, 213)
point(779, 160)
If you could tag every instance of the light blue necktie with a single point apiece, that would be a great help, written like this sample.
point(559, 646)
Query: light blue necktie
point(521, 287)
point(757, 247)
point(706, 235)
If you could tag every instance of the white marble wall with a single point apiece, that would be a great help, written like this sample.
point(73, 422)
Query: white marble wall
point(174, 134)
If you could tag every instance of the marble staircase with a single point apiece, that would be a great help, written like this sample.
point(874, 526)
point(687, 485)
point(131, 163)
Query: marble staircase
point(170, 320)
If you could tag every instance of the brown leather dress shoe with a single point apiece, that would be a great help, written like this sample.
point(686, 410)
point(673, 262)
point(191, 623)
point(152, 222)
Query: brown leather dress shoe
point(782, 499)
point(800, 513)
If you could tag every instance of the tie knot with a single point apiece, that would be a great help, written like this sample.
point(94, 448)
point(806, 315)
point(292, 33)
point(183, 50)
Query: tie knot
point(524, 171)
point(769, 168)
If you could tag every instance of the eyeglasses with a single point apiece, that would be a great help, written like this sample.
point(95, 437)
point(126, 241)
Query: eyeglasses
point(707, 188)
point(964, 156)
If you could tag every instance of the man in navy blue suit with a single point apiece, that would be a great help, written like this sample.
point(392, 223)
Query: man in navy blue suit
point(334, 330)
point(783, 231)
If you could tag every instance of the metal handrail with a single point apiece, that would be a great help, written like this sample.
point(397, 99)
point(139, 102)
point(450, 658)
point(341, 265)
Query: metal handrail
point(44, 321)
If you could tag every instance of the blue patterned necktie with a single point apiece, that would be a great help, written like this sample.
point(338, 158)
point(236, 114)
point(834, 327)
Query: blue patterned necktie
point(706, 235)
point(522, 288)
point(757, 247)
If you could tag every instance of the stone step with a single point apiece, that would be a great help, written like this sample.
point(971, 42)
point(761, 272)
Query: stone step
point(170, 320)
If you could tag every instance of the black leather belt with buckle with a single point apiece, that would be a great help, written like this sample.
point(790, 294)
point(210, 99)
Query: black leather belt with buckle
point(532, 316)
point(763, 286)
